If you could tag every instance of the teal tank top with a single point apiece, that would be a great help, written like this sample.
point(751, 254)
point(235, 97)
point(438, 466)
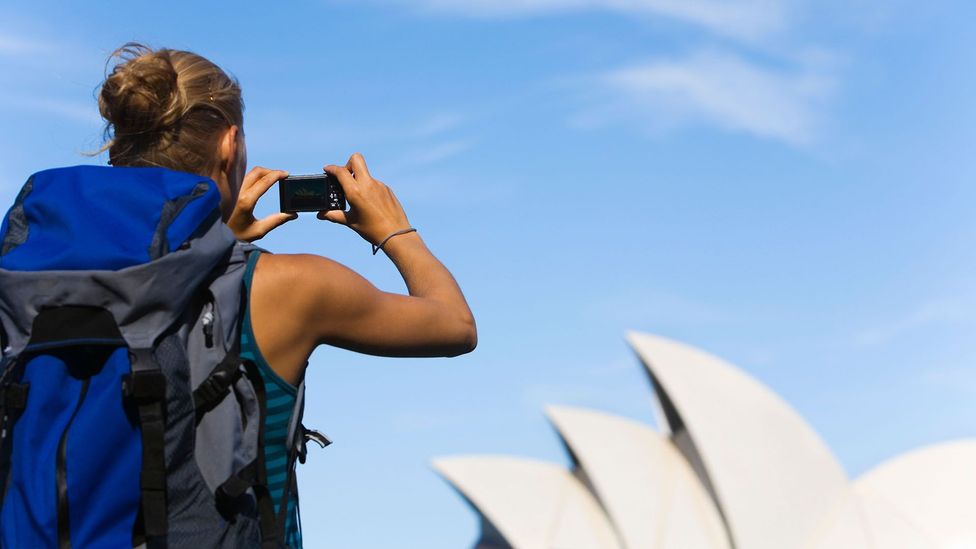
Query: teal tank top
point(280, 396)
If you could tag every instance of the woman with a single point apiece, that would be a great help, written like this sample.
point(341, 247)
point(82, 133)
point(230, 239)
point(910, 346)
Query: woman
point(177, 110)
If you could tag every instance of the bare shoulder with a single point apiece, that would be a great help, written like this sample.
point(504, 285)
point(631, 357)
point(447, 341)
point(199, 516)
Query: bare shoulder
point(294, 299)
point(311, 289)
point(277, 276)
point(290, 266)
point(293, 274)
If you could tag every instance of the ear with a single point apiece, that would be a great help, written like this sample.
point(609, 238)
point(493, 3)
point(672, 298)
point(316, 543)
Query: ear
point(228, 150)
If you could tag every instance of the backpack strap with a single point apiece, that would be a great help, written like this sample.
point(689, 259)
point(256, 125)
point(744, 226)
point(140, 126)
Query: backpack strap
point(13, 401)
point(146, 388)
point(272, 537)
point(217, 386)
point(229, 498)
point(296, 443)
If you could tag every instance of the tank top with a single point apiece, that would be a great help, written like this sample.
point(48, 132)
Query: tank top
point(280, 402)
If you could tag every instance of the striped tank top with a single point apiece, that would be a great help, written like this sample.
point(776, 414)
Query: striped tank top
point(280, 401)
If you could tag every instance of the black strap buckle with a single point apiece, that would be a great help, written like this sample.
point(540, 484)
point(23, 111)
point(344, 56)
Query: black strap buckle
point(228, 497)
point(14, 396)
point(216, 387)
point(144, 386)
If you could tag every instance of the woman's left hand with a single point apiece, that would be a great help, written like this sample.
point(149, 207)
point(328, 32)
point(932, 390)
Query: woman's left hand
point(242, 221)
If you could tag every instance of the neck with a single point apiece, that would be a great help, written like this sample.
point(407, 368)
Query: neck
point(227, 198)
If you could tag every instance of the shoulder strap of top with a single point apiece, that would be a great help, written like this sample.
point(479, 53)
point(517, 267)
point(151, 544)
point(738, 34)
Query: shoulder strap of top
point(252, 259)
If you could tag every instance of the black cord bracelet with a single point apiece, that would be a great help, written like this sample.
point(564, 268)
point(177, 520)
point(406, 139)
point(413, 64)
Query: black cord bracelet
point(378, 247)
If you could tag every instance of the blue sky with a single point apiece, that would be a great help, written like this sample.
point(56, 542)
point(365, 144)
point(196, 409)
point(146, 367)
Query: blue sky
point(788, 184)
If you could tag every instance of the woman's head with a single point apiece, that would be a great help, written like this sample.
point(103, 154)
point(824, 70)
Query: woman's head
point(177, 110)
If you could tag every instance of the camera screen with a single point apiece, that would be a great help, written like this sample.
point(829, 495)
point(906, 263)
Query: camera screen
point(310, 193)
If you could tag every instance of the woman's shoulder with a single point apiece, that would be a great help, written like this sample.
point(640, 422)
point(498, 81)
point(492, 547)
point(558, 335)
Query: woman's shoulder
point(303, 280)
point(312, 293)
point(294, 268)
point(285, 302)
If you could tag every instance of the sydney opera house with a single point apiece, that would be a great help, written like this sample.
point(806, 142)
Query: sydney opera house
point(734, 468)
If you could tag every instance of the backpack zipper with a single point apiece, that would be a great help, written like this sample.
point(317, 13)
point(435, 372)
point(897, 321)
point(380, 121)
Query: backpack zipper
point(64, 527)
point(208, 322)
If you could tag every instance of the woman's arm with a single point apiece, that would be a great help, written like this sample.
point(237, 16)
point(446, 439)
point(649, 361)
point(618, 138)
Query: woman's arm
point(300, 301)
point(339, 307)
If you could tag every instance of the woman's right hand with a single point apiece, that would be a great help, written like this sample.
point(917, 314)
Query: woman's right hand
point(374, 211)
point(241, 220)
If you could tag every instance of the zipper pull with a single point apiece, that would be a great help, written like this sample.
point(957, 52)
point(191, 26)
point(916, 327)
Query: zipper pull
point(208, 321)
point(314, 436)
point(317, 437)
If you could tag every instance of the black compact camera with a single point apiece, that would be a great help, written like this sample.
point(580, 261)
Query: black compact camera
point(311, 193)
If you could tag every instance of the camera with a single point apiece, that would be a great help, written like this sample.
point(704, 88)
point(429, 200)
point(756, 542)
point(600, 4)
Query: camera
point(311, 193)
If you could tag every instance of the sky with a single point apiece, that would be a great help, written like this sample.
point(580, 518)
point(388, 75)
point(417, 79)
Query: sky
point(787, 184)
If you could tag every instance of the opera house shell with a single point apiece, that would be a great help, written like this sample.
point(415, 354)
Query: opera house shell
point(734, 468)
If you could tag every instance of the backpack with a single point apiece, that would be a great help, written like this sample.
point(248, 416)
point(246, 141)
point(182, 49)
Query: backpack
point(127, 417)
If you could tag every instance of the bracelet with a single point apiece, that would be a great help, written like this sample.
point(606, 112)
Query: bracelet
point(378, 247)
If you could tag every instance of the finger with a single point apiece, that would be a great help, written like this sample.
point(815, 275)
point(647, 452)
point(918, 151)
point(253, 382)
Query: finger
point(346, 180)
point(253, 175)
point(262, 185)
point(357, 164)
point(273, 221)
point(335, 216)
point(249, 197)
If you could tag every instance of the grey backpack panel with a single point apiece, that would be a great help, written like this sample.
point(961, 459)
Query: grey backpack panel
point(227, 436)
point(144, 299)
point(195, 521)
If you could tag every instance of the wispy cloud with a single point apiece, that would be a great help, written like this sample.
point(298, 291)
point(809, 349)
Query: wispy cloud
point(41, 48)
point(59, 108)
point(435, 135)
point(643, 308)
point(745, 75)
point(737, 18)
point(49, 69)
point(539, 395)
point(11, 44)
point(412, 421)
point(435, 153)
point(929, 313)
point(951, 378)
point(622, 364)
point(460, 189)
point(720, 89)
point(436, 124)
point(415, 141)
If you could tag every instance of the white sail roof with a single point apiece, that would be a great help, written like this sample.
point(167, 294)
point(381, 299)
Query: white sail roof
point(774, 479)
point(865, 520)
point(935, 487)
point(652, 496)
point(532, 504)
point(736, 467)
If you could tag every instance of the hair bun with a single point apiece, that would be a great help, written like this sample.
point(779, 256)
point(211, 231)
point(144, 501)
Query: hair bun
point(167, 108)
point(141, 96)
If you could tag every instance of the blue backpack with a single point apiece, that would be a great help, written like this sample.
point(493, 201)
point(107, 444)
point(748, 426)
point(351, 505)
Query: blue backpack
point(127, 417)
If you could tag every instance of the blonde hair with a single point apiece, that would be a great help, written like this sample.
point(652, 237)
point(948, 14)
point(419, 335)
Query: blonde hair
point(166, 108)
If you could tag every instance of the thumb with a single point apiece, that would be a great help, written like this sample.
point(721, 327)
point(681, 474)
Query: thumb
point(335, 216)
point(273, 221)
